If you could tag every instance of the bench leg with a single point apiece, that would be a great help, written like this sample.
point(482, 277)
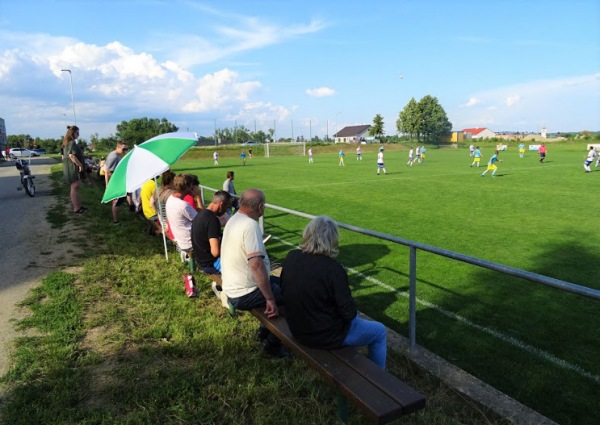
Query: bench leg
point(341, 407)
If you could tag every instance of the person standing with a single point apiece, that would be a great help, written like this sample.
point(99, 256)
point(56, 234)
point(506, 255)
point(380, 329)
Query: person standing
point(422, 154)
point(243, 157)
point(358, 154)
point(310, 155)
point(112, 160)
point(542, 152)
point(589, 159)
point(73, 170)
point(476, 157)
point(341, 155)
point(492, 164)
point(471, 150)
point(250, 153)
point(411, 158)
point(229, 187)
point(521, 150)
point(149, 203)
point(215, 158)
point(246, 268)
point(319, 307)
point(206, 233)
point(380, 163)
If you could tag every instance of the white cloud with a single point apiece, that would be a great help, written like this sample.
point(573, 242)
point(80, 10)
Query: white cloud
point(472, 102)
point(512, 99)
point(320, 92)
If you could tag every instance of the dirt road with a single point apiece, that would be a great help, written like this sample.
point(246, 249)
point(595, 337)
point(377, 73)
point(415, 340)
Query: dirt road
point(30, 247)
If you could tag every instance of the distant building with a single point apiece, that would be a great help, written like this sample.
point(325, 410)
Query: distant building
point(457, 136)
point(3, 139)
point(478, 133)
point(544, 133)
point(353, 134)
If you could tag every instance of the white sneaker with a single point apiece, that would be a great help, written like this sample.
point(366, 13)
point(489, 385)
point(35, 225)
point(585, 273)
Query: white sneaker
point(213, 285)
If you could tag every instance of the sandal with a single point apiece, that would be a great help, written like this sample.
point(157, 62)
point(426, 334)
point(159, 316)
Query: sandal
point(80, 210)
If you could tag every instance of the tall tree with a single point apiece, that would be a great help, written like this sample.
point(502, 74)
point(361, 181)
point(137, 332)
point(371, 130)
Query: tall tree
point(138, 130)
point(435, 121)
point(377, 128)
point(410, 120)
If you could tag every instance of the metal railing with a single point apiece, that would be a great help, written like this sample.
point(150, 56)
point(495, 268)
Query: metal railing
point(414, 246)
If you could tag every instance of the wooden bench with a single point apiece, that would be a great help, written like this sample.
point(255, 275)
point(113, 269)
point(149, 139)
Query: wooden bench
point(378, 394)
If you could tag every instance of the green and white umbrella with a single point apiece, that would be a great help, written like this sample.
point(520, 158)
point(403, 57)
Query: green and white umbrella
point(146, 161)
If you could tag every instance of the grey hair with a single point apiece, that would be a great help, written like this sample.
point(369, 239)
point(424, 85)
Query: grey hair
point(320, 236)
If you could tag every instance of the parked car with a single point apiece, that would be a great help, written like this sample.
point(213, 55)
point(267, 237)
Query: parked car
point(21, 152)
point(39, 151)
point(250, 144)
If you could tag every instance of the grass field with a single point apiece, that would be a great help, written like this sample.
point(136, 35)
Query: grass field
point(538, 344)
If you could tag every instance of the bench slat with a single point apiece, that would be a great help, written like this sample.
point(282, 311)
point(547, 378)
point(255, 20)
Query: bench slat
point(339, 368)
point(410, 399)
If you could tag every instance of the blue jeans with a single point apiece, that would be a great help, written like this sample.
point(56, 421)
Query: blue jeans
point(367, 332)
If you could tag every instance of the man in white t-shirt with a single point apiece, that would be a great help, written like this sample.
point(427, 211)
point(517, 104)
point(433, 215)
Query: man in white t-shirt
point(245, 265)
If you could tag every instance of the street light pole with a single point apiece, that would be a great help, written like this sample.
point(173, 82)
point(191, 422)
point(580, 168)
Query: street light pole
point(72, 98)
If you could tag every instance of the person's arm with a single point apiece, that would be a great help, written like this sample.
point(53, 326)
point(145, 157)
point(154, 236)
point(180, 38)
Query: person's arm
point(76, 161)
point(215, 247)
point(261, 277)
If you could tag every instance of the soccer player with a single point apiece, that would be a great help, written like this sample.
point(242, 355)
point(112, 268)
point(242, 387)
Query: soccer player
point(476, 157)
point(380, 165)
point(358, 154)
point(243, 157)
point(492, 164)
point(215, 158)
point(589, 159)
point(422, 154)
point(471, 150)
point(411, 158)
point(521, 150)
point(310, 156)
point(342, 155)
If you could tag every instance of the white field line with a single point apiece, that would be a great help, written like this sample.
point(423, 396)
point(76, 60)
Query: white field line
point(496, 334)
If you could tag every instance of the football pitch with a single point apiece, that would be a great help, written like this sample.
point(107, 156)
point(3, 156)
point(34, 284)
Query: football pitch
point(535, 343)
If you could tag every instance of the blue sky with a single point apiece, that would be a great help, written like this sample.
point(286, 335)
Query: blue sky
point(310, 67)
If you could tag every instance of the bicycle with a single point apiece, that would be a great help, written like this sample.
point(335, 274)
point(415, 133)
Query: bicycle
point(26, 177)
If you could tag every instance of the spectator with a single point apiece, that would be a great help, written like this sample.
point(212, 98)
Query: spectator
point(246, 267)
point(180, 213)
point(320, 310)
point(206, 233)
point(230, 188)
point(195, 197)
point(73, 166)
point(148, 199)
point(165, 190)
point(112, 160)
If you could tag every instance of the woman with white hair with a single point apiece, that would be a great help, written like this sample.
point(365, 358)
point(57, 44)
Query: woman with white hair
point(319, 307)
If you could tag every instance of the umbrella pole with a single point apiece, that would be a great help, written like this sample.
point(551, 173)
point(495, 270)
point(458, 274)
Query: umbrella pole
point(163, 224)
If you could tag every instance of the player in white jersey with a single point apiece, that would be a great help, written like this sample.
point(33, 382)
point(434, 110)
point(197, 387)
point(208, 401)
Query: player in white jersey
point(591, 155)
point(380, 164)
point(411, 158)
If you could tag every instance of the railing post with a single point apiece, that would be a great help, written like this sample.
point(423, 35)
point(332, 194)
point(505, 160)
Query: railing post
point(412, 300)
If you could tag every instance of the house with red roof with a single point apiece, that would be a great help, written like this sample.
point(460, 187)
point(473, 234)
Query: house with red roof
point(478, 133)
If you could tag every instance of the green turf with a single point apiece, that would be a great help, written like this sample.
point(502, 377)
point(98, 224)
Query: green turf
point(532, 216)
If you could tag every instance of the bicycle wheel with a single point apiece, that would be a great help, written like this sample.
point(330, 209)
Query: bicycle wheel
point(30, 187)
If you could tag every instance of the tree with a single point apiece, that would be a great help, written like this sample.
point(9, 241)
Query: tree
point(425, 118)
point(410, 119)
point(377, 128)
point(138, 130)
point(435, 121)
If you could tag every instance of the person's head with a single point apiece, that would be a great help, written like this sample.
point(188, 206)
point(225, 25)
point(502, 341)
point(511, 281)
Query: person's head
point(230, 175)
point(220, 202)
point(476, 147)
point(122, 147)
point(183, 183)
point(166, 178)
point(252, 203)
point(320, 237)
point(71, 134)
point(497, 152)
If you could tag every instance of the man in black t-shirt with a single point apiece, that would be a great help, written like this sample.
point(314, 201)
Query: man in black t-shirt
point(206, 233)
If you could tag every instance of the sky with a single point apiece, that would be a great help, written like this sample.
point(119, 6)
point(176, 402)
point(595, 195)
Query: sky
point(304, 68)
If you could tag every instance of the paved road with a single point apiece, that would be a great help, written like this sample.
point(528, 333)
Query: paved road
point(24, 233)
